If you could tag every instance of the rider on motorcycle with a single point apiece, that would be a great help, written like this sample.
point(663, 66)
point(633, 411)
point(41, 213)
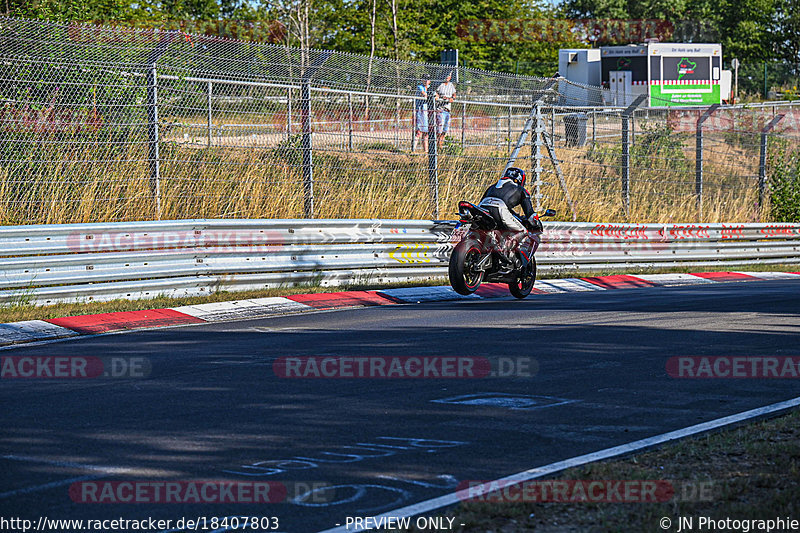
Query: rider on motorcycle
point(498, 200)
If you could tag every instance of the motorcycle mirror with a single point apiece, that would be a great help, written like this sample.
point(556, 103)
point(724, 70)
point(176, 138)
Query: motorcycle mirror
point(549, 213)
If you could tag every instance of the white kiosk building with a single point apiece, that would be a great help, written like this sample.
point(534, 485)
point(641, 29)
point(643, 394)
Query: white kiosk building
point(670, 74)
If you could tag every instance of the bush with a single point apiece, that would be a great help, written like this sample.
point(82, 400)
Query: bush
point(656, 149)
point(784, 181)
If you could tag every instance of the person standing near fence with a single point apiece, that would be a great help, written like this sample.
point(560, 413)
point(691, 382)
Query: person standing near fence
point(421, 112)
point(447, 92)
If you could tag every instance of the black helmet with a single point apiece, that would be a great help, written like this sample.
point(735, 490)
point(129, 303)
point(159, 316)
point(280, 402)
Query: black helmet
point(516, 174)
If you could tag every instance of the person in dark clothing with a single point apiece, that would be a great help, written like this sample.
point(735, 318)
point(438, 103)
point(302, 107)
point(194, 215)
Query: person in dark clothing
point(500, 199)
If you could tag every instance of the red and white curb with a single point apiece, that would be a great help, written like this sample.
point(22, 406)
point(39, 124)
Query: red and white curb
point(58, 328)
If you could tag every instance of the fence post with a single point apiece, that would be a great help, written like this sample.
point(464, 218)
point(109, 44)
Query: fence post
point(413, 125)
point(626, 154)
point(433, 155)
point(289, 114)
point(152, 136)
point(210, 125)
point(508, 141)
point(534, 116)
point(349, 122)
point(762, 160)
point(594, 127)
point(463, 122)
point(397, 122)
point(308, 164)
point(534, 124)
point(536, 155)
point(698, 172)
point(551, 152)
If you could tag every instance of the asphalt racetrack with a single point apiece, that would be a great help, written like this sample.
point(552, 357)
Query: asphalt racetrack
point(213, 408)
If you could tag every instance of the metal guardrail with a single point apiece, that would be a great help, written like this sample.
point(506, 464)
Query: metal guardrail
point(85, 262)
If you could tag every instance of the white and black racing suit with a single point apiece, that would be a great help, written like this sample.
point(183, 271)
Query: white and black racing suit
point(499, 200)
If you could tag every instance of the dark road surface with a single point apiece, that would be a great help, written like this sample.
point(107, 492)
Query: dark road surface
point(212, 407)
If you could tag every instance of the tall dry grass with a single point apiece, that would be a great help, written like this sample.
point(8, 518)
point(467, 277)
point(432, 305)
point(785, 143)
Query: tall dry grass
point(94, 182)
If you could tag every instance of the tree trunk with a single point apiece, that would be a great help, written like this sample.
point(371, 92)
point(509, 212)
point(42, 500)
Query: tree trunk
point(371, 55)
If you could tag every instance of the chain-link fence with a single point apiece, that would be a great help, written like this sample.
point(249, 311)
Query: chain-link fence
point(106, 124)
point(769, 80)
point(661, 164)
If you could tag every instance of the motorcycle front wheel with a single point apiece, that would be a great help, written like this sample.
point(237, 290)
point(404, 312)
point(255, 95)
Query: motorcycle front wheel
point(464, 276)
point(524, 284)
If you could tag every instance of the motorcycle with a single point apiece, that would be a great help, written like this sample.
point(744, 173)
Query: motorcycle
point(478, 255)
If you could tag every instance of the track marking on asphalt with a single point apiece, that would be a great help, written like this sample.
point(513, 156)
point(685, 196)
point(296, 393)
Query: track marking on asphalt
point(103, 471)
point(553, 468)
point(65, 464)
point(46, 486)
point(568, 285)
point(501, 399)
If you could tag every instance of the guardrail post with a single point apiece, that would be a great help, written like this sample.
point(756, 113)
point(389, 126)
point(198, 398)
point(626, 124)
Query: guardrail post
point(210, 125)
point(349, 122)
point(152, 136)
point(626, 154)
point(433, 154)
point(762, 160)
point(698, 172)
point(308, 163)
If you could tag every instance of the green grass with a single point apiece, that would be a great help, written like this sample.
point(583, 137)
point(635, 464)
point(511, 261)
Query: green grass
point(748, 472)
point(24, 310)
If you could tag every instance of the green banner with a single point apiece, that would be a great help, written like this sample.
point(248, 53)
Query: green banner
point(664, 95)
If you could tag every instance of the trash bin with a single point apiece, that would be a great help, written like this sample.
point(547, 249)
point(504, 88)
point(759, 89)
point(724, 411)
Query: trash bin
point(575, 129)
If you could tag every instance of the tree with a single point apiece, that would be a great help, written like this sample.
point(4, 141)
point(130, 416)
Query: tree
point(743, 27)
point(74, 10)
point(787, 33)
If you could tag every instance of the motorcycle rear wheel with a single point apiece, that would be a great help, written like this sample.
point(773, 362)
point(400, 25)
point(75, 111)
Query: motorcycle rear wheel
point(524, 284)
point(464, 278)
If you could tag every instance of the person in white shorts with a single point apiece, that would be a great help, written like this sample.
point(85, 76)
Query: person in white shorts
point(446, 92)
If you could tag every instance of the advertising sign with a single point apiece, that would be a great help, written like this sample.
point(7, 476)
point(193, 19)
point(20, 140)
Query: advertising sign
point(684, 74)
